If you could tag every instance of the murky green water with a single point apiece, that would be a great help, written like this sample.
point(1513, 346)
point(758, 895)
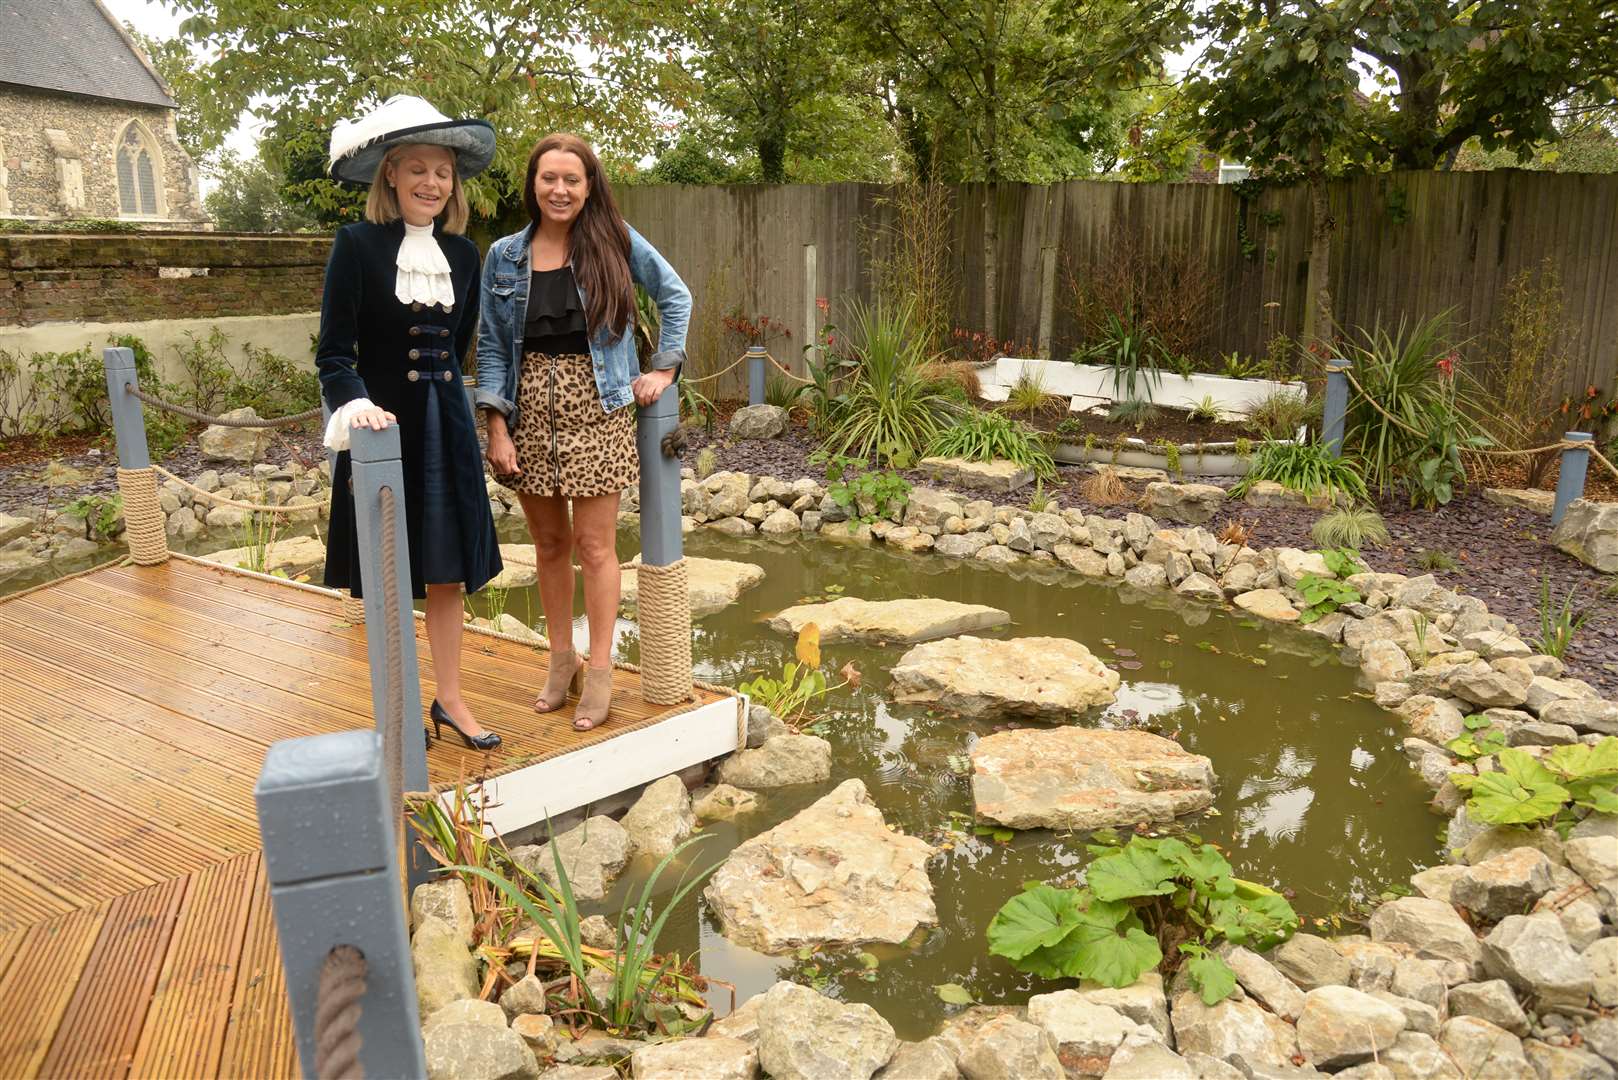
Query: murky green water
point(1314, 793)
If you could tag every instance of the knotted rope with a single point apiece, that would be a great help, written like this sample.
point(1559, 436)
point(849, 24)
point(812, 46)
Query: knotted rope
point(393, 707)
point(143, 516)
point(1560, 444)
point(739, 359)
point(353, 609)
point(664, 601)
point(221, 421)
point(339, 1002)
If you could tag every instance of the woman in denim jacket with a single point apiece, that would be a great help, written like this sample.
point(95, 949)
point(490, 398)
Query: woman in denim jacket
point(557, 370)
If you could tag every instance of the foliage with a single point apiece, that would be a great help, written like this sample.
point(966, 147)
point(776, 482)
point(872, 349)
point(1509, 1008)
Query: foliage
point(1143, 901)
point(102, 515)
point(1171, 455)
point(1355, 527)
point(890, 408)
point(255, 536)
point(1134, 413)
point(248, 196)
point(1305, 467)
point(801, 685)
point(21, 397)
point(1525, 360)
point(1480, 739)
point(21, 226)
point(976, 347)
point(783, 393)
point(1039, 501)
point(77, 382)
point(867, 494)
point(981, 435)
point(1104, 488)
point(274, 385)
point(1324, 595)
point(1558, 620)
point(1278, 415)
point(1134, 355)
point(911, 255)
point(1233, 365)
point(1167, 293)
point(1425, 420)
point(1436, 559)
point(1205, 411)
point(1557, 789)
point(1028, 395)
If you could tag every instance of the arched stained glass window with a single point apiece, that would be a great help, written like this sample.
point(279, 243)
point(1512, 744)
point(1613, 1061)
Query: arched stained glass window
point(138, 184)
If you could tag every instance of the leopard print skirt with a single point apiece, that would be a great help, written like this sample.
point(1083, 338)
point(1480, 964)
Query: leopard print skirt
point(566, 445)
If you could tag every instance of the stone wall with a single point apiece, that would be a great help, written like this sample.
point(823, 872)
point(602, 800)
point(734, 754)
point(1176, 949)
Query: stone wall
point(130, 277)
point(58, 158)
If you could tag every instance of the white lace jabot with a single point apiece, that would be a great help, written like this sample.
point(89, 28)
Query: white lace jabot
point(423, 270)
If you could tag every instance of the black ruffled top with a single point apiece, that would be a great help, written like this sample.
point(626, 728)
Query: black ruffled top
point(555, 324)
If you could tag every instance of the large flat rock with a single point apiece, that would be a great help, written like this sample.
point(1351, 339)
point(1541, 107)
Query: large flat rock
point(1044, 678)
point(294, 556)
point(518, 569)
point(1078, 778)
point(902, 622)
point(833, 874)
point(1002, 477)
point(714, 584)
point(1589, 533)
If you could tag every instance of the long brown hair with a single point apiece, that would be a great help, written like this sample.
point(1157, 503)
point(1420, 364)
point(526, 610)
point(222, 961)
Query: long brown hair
point(598, 240)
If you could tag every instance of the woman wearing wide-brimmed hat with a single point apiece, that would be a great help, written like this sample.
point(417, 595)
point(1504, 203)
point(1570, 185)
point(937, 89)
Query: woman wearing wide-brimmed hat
point(400, 304)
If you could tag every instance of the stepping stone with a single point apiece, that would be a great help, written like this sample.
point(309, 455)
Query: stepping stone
point(903, 622)
point(1044, 678)
point(518, 570)
point(714, 584)
point(294, 556)
point(1081, 778)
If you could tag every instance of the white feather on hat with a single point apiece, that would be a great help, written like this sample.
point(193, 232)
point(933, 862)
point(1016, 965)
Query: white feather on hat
point(358, 145)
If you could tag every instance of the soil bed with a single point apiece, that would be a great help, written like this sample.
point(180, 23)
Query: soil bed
point(1174, 425)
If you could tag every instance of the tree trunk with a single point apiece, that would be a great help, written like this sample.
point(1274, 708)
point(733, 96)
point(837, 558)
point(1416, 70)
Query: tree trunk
point(1317, 316)
point(772, 153)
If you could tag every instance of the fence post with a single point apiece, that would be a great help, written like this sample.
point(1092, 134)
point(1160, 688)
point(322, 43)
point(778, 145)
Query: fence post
point(144, 523)
point(327, 823)
point(755, 374)
point(1336, 405)
point(663, 598)
point(374, 456)
point(1570, 480)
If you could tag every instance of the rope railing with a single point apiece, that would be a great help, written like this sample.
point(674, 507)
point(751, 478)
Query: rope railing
point(222, 421)
point(1560, 444)
point(220, 500)
point(339, 1003)
point(393, 707)
point(730, 366)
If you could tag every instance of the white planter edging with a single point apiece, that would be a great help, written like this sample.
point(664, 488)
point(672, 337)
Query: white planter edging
point(1208, 459)
point(1089, 385)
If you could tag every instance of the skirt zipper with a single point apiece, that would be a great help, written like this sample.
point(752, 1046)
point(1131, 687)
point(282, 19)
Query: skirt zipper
point(556, 457)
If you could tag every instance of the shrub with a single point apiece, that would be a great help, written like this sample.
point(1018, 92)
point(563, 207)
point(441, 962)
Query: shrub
point(273, 385)
point(988, 436)
point(1558, 789)
point(1525, 361)
point(1133, 413)
point(1413, 374)
point(867, 494)
point(1134, 355)
point(890, 408)
point(1168, 290)
point(1308, 468)
point(1104, 488)
point(212, 380)
point(1280, 414)
point(1205, 411)
point(1028, 396)
point(1143, 902)
point(21, 397)
point(1356, 527)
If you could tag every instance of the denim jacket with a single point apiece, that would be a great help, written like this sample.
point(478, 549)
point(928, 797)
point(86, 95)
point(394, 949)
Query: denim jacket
point(505, 308)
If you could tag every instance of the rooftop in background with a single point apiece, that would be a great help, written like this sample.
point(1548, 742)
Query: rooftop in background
point(74, 47)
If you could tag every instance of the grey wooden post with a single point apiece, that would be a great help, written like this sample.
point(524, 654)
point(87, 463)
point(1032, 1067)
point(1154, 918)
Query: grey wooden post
point(661, 541)
point(128, 422)
point(755, 374)
point(374, 456)
point(1336, 405)
point(1570, 480)
point(325, 818)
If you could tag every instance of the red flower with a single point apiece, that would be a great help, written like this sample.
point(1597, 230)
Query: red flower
point(823, 304)
point(1446, 365)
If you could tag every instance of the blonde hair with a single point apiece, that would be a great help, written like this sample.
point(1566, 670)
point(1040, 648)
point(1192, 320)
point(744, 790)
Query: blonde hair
point(382, 205)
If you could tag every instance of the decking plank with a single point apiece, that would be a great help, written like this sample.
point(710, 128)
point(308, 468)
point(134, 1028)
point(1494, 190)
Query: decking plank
point(259, 1041)
point(40, 980)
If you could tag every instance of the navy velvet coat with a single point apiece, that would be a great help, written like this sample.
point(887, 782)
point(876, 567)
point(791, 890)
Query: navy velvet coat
point(370, 344)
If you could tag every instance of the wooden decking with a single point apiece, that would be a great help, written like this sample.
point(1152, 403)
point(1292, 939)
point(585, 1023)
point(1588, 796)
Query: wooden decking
point(135, 930)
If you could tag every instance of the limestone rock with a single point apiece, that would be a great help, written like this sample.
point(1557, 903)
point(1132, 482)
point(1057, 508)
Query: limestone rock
point(518, 569)
point(478, 1052)
point(1431, 718)
point(1035, 677)
point(1533, 500)
point(714, 584)
point(1492, 1001)
point(593, 853)
point(1191, 504)
point(1139, 1059)
point(1263, 981)
point(1602, 958)
point(1294, 565)
point(722, 802)
point(1565, 1062)
point(741, 1023)
point(1438, 882)
point(1531, 952)
point(446, 899)
point(930, 506)
point(1146, 576)
point(1420, 980)
point(1398, 625)
point(1340, 1026)
point(929, 1059)
point(1269, 604)
point(1199, 587)
point(1505, 884)
point(1384, 661)
point(1430, 927)
point(782, 761)
point(1589, 533)
point(295, 556)
point(526, 995)
point(1083, 778)
point(661, 818)
point(1142, 1001)
point(963, 545)
point(716, 1058)
point(467, 1011)
point(804, 1036)
point(781, 522)
point(1229, 1028)
point(1007, 1048)
point(220, 443)
point(1599, 717)
point(1489, 688)
point(1081, 1029)
point(1480, 1049)
point(833, 874)
point(1311, 962)
point(900, 622)
point(758, 422)
point(443, 966)
point(1086, 561)
point(1414, 1056)
point(1001, 477)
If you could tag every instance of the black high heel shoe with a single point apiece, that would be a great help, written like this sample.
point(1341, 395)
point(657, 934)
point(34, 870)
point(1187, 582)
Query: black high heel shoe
point(487, 741)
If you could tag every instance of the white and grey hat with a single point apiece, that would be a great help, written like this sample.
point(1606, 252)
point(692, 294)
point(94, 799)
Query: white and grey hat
point(358, 145)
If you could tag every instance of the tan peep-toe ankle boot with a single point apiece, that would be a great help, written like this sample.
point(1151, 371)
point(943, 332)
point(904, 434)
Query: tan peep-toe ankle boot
point(565, 676)
point(594, 700)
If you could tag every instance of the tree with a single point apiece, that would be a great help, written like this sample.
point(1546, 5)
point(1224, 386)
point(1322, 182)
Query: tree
point(199, 126)
point(1005, 80)
point(248, 198)
point(515, 63)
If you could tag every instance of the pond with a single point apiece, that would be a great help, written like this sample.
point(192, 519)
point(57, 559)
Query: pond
point(1315, 795)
